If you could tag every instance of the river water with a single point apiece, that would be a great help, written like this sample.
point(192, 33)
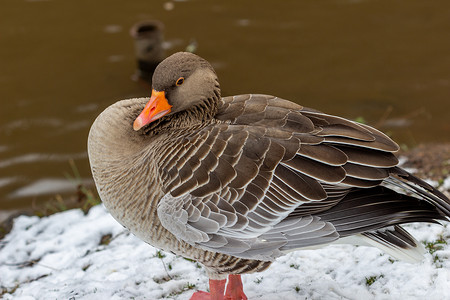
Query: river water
point(63, 62)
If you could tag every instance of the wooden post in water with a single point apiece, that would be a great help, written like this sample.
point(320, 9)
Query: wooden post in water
point(148, 43)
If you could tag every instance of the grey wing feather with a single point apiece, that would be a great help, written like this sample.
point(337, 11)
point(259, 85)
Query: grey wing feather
point(213, 235)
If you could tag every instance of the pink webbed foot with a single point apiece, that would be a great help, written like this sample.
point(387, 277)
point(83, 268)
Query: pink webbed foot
point(216, 287)
point(235, 290)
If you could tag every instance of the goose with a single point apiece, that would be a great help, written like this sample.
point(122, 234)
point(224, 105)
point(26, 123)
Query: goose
point(235, 182)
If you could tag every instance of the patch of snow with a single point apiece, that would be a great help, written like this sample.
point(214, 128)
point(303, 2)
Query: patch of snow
point(62, 257)
point(401, 161)
point(446, 184)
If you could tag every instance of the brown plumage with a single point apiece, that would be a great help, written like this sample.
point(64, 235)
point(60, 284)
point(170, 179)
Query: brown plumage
point(236, 182)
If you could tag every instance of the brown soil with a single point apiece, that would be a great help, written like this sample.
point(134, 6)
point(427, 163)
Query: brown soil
point(430, 161)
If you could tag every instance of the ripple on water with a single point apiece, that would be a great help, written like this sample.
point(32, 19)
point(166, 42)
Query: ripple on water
point(47, 186)
point(7, 181)
point(37, 157)
point(25, 124)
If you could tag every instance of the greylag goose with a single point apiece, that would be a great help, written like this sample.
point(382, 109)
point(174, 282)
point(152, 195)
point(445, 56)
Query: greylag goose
point(236, 182)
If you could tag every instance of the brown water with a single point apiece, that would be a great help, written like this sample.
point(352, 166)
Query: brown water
point(63, 62)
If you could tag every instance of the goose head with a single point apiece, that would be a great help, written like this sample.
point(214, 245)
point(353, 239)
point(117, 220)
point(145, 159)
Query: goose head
point(182, 83)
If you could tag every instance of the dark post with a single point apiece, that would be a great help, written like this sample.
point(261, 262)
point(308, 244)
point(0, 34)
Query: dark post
point(148, 43)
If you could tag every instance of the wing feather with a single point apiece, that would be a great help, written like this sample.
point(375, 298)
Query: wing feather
point(270, 176)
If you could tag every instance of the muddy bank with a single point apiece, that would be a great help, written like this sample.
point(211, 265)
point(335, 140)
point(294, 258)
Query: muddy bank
point(431, 161)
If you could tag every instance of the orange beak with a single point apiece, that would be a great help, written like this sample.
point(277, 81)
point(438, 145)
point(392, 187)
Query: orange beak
point(156, 108)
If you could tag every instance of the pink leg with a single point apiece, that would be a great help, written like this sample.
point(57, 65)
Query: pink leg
point(235, 288)
point(216, 287)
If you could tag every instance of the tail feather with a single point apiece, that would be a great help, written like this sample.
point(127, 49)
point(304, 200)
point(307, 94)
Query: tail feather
point(372, 216)
point(417, 186)
point(397, 242)
point(366, 210)
point(393, 240)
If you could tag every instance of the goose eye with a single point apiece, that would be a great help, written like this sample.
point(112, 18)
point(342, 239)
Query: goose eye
point(180, 81)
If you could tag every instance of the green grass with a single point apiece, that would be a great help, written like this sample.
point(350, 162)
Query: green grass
point(435, 246)
point(159, 254)
point(361, 120)
point(372, 279)
point(258, 280)
point(432, 247)
point(84, 197)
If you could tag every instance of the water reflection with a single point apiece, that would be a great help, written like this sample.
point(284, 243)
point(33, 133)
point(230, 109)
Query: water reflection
point(41, 157)
point(48, 186)
point(64, 61)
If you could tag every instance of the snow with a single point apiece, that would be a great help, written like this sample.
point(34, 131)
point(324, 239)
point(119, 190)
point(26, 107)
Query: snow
point(62, 257)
